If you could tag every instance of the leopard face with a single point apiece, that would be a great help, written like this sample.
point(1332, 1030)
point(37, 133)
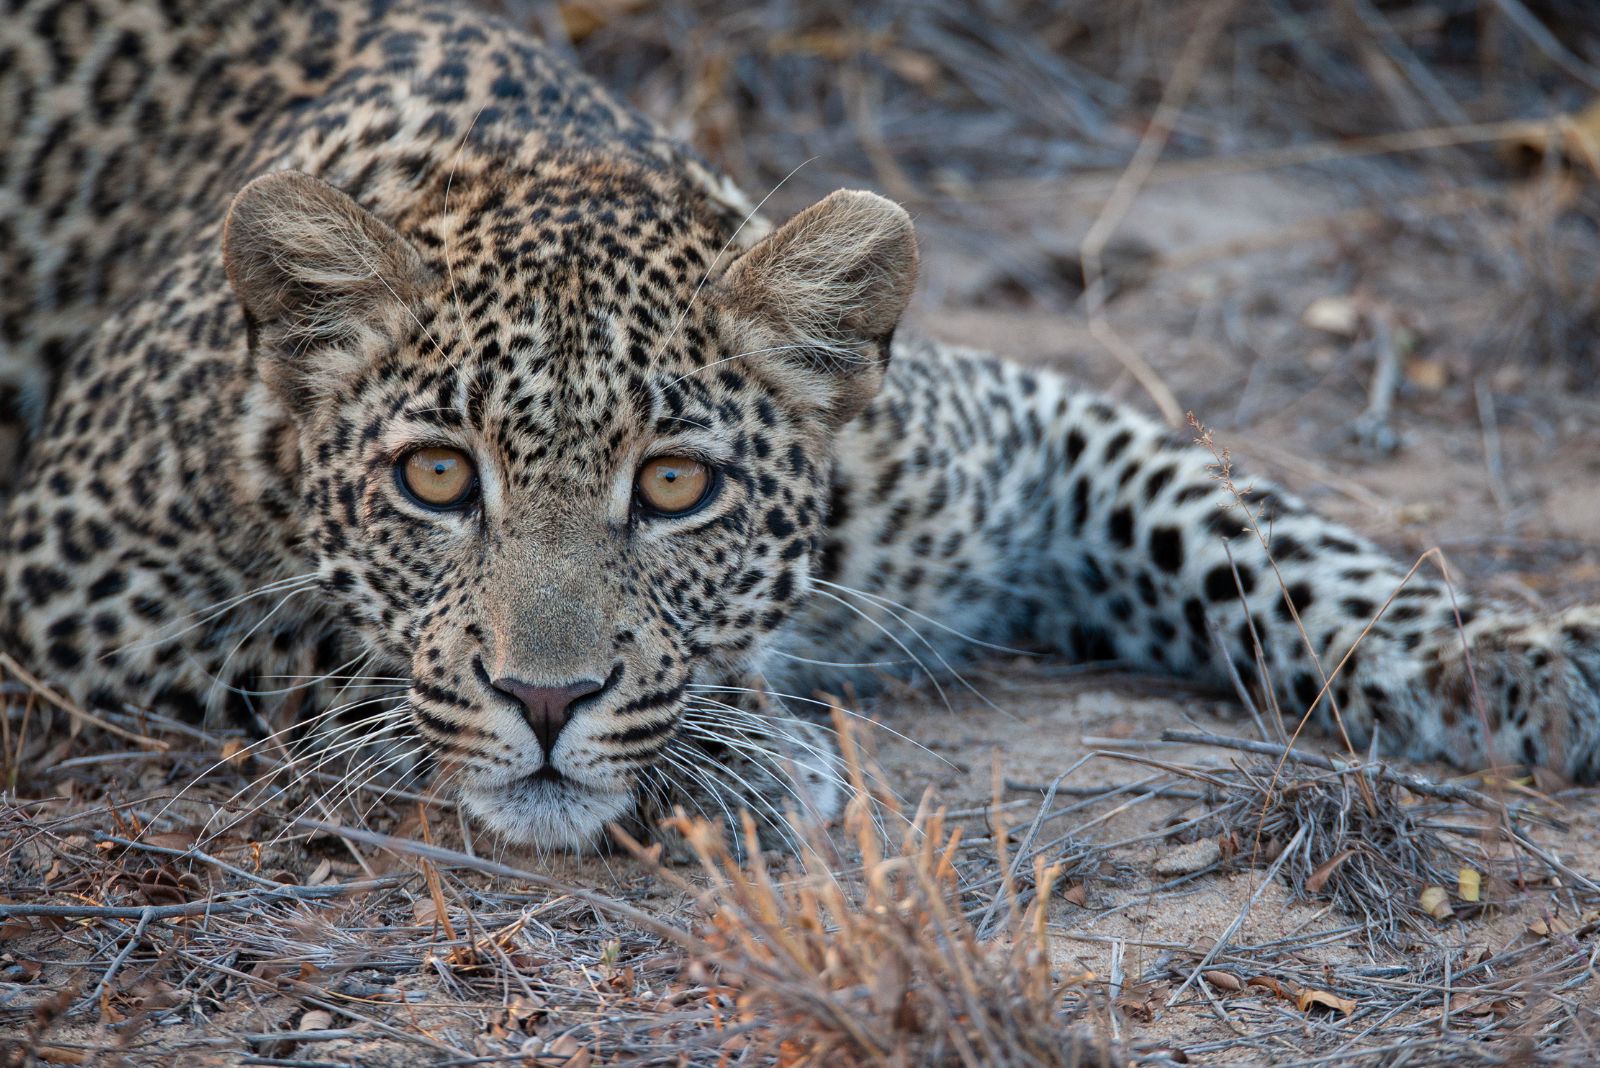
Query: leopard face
point(558, 460)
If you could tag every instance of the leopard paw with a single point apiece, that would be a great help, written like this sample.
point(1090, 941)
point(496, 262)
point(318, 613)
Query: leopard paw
point(1531, 686)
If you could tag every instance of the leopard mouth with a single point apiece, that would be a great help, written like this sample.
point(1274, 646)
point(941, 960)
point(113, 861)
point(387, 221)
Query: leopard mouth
point(547, 809)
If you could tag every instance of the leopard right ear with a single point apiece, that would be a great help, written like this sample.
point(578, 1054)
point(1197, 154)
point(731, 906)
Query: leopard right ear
point(325, 284)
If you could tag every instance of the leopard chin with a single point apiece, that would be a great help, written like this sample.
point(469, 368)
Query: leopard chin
point(548, 812)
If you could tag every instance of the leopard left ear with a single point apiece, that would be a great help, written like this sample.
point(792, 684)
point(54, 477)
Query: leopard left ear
point(324, 282)
point(818, 300)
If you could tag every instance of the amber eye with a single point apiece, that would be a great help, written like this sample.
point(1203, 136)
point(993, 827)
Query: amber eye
point(438, 478)
point(673, 485)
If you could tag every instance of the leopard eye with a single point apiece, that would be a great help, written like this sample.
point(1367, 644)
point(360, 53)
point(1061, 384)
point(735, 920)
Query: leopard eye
point(673, 485)
point(439, 478)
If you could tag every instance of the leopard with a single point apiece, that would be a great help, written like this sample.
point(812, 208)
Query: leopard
point(370, 340)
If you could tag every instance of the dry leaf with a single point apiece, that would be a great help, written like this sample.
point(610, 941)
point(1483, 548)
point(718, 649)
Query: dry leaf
point(316, 1020)
point(1223, 980)
point(583, 20)
point(1435, 902)
point(1267, 982)
point(1428, 375)
point(1333, 315)
point(1575, 138)
point(1326, 999)
point(1139, 1002)
point(235, 752)
point(1548, 928)
point(1489, 1006)
point(1469, 885)
point(1076, 894)
point(1324, 871)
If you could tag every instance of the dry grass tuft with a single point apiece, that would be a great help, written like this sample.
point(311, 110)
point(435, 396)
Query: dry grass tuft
point(1354, 838)
point(877, 964)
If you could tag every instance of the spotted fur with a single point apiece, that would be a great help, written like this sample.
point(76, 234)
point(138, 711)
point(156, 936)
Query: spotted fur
point(253, 251)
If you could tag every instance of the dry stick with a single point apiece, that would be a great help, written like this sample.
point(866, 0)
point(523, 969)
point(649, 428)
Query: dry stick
point(1238, 921)
point(121, 958)
point(598, 901)
point(131, 912)
point(193, 853)
point(1541, 38)
point(1493, 458)
point(1187, 70)
point(1415, 783)
point(242, 901)
point(1406, 62)
point(1027, 842)
point(1373, 425)
point(313, 995)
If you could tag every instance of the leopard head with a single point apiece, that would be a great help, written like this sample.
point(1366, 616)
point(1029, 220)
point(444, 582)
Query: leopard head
point(559, 455)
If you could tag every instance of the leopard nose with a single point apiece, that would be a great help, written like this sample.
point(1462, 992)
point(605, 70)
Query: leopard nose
point(546, 707)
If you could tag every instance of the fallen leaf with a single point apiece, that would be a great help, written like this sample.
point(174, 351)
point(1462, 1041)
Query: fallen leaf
point(1076, 894)
point(1267, 982)
point(1548, 928)
point(583, 20)
point(1469, 885)
point(1489, 1006)
point(235, 752)
point(1333, 315)
point(1223, 980)
point(316, 1020)
point(1429, 375)
point(1574, 137)
point(1435, 902)
point(1328, 1000)
point(1139, 1002)
point(1324, 871)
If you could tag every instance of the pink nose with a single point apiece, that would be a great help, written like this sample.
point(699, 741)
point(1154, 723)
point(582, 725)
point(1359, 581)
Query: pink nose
point(545, 707)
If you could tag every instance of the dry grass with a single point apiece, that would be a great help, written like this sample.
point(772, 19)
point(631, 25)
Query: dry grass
point(987, 120)
point(133, 936)
point(877, 964)
point(136, 933)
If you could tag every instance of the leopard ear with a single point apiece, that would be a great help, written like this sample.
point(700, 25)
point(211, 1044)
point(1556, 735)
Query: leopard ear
point(818, 299)
point(323, 281)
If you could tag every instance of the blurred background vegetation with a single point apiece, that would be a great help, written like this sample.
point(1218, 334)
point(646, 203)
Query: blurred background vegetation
point(986, 117)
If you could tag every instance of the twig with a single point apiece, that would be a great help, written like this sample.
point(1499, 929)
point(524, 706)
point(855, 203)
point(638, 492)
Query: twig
point(244, 901)
point(1541, 38)
point(1493, 458)
point(1415, 783)
point(117, 962)
point(1244, 914)
point(608, 905)
point(1372, 428)
point(193, 853)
